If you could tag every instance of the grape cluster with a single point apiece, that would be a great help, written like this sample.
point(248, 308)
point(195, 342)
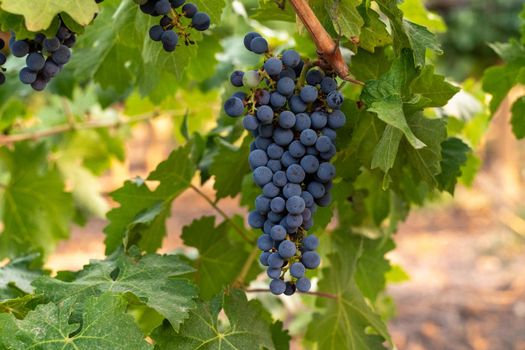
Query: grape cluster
point(292, 109)
point(3, 59)
point(171, 27)
point(45, 57)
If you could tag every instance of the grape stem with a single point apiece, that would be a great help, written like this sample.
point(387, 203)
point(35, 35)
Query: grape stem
point(327, 49)
point(318, 294)
point(225, 216)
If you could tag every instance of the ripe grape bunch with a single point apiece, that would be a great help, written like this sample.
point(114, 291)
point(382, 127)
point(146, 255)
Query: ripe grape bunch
point(292, 109)
point(3, 59)
point(45, 56)
point(171, 25)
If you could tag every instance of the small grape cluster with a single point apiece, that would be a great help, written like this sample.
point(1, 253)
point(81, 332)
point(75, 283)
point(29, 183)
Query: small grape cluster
point(293, 110)
point(3, 59)
point(171, 27)
point(45, 56)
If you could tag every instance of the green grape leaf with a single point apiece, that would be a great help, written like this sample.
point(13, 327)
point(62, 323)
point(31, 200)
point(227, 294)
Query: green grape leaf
point(454, 154)
point(415, 11)
point(140, 219)
point(344, 320)
point(267, 10)
point(40, 14)
point(498, 80)
point(217, 266)
point(373, 32)
point(36, 210)
point(229, 165)
point(248, 326)
point(345, 18)
point(433, 87)
point(104, 325)
point(386, 150)
point(16, 277)
point(518, 118)
point(420, 40)
point(154, 279)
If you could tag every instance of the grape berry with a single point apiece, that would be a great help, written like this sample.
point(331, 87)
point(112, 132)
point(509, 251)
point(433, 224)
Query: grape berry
point(171, 26)
point(45, 57)
point(293, 118)
point(3, 59)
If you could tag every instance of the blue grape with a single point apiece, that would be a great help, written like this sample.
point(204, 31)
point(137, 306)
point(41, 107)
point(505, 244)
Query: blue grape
point(240, 95)
point(234, 107)
point(265, 114)
point(325, 200)
point(336, 119)
point(277, 204)
point(291, 58)
point(256, 220)
point(286, 86)
point(279, 178)
point(329, 132)
point(287, 249)
point(319, 120)
point(273, 66)
point(295, 173)
point(265, 242)
point(308, 137)
point(248, 39)
point(290, 190)
point(263, 258)
point(334, 99)
point(278, 233)
point(155, 32)
point(309, 93)
point(290, 289)
point(236, 78)
point(297, 105)
point(294, 220)
point(295, 205)
point(308, 199)
point(262, 97)
point(307, 214)
point(201, 21)
point(262, 175)
point(288, 73)
point(277, 287)
point(310, 260)
point(310, 164)
point(287, 159)
point(62, 55)
point(310, 242)
point(27, 76)
point(297, 149)
point(262, 204)
point(329, 154)
point(312, 151)
point(265, 130)
point(19, 48)
point(275, 260)
point(51, 45)
point(277, 100)
point(268, 224)
point(275, 217)
point(177, 3)
point(326, 172)
point(297, 269)
point(250, 123)
point(270, 190)
point(314, 76)
point(303, 284)
point(283, 137)
point(262, 143)
point(257, 158)
point(275, 151)
point(273, 272)
point(274, 165)
point(259, 45)
point(169, 40)
point(302, 122)
point(328, 85)
point(308, 224)
point(286, 119)
point(323, 144)
point(316, 189)
point(40, 83)
point(3, 59)
point(189, 10)
point(163, 7)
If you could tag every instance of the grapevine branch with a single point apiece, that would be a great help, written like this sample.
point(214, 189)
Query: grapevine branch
point(318, 294)
point(225, 216)
point(92, 124)
point(327, 49)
